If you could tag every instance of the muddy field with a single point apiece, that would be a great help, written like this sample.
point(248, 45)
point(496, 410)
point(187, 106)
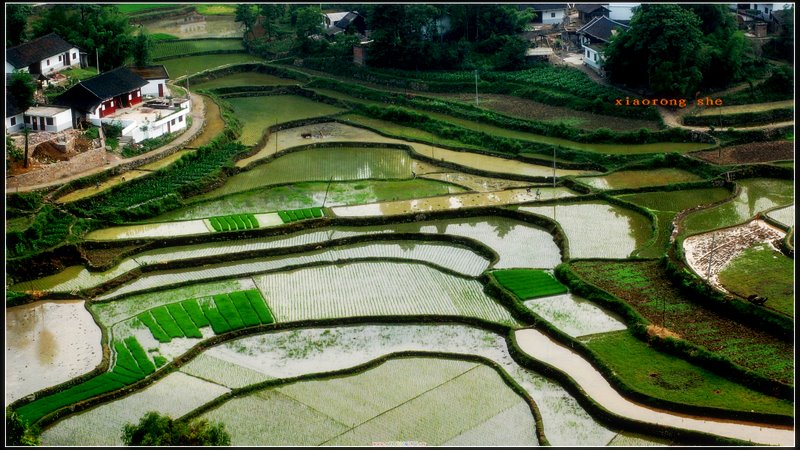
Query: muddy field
point(754, 152)
point(531, 110)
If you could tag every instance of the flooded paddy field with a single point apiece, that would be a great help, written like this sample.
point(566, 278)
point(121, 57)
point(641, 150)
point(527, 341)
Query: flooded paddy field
point(637, 178)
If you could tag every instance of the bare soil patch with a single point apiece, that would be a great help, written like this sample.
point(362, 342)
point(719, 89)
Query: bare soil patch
point(755, 152)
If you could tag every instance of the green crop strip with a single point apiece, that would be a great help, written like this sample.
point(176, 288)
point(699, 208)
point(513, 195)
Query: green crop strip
point(145, 365)
point(150, 322)
point(260, 306)
point(294, 215)
point(226, 308)
point(242, 304)
point(233, 222)
point(194, 311)
point(184, 321)
point(165, 320)
point(529, 283)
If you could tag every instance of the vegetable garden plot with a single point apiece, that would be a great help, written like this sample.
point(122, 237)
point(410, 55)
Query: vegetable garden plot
point(757, 195)
point(48, 343)
point(639, 178)
point(456, 258)
point(175, 395)
point(574, 315)
point(292, 353)
point(646, 288)
point(366, 289)
point(597, 229)
point(317, 164)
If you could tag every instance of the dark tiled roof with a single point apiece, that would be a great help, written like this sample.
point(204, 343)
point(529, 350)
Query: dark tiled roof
point(36, 50)
point(600, 28)
point(158, 72)
point(91, 92)
point(589, 7)
point(782, 15)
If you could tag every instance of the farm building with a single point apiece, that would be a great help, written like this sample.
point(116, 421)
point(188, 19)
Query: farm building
point(45, 55)
point(156, 77)
point(593, 38)
point(116, 97)
point(548, 13)
point(48, 118)
point(588, 11)
point(338, 22)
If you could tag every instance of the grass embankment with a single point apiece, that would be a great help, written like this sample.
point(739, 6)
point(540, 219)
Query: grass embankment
point(644, 285)
point(763, 271)
point(662, 376)
point(528, 283)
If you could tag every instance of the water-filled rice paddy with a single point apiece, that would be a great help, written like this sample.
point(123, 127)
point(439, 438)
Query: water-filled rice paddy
point(764, 271)
point(757, 195)
point(151, 230)
point(574, 315)
point(188, 65)
point(783, 215)
point(597, 229)
point(639, 178)
point(374, 289)
point(175, 395)
point(48, 343)
point(259, 113)
point(307, 194)
point(450, 257)
point(322, 164)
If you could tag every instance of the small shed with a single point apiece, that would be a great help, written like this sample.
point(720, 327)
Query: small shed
point(48, 118)
point(538, 54)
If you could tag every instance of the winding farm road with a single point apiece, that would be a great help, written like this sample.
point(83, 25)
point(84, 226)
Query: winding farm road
point(538, 346)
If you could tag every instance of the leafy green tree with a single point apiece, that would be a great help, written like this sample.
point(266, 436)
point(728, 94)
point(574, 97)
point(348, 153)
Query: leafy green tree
point(92, 27)
point(17, 23)
point(155, 429)
point(18, 432)
point(22, 87)
point(723, 48)
point(272, 12)
point(142, 49)
point(782, 45)
point(308, 22)
point(247, 14)
point(661, 49)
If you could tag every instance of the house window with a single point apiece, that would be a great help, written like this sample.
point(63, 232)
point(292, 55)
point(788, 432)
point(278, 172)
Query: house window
point(102, 107)
point(552, 15)
point(180, 119)
point(173, 122)
point(74, 56)
point(13, 121)
point(48, 62)
point(59, 58)
point(27, 119)
point(49, 120)
point(130, 96)
point(766, 10)
point(587, 53)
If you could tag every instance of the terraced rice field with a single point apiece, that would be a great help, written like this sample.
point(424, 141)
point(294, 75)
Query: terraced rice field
point(574, 315)
point(783, 215)
point(637, 178)
point(246, 79)
point(614, 232)
point(189, 65)
point(259, 113)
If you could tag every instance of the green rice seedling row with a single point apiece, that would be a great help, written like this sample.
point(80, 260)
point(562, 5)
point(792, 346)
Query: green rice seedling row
point(125, 359)
point(527, 284)
point(300, 214)
point(246, 312)
point(215, 318)
point(194, 311)
point(167, 322)
point(142, 360)
point(259, 306)
point(152, 325)
point(228, 310)
point(234, 222)
point(183, 320)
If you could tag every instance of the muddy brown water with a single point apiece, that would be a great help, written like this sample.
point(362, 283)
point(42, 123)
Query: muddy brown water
point(48, 343)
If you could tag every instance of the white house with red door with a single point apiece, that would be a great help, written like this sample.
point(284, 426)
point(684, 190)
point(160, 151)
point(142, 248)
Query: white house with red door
point(45, 55)
point(156, 77)
point(116, 97)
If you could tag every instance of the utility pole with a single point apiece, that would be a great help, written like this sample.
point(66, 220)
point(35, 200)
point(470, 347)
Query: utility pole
point(554, 168)
point(325, 199)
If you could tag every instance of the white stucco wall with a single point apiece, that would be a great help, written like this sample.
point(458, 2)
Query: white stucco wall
point(152, 87)
point(621, 11)
point(56, 65)
point(548, 16)
point(18, 121)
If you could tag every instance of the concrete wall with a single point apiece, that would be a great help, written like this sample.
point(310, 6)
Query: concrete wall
point(18, 121)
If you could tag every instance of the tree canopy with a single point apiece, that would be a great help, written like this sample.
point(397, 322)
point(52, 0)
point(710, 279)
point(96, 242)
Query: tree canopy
point(155, 429)
point(17, 23)
point(90, 27)
point(22, 87)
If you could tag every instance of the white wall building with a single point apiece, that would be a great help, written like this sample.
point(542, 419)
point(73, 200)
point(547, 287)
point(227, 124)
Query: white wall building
point(621, 11)
point(48, 118)
point(156, 77)
point(46, 55)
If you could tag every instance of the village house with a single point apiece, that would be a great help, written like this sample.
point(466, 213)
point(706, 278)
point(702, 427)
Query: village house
point(588, 11)
point(14, 114)
point(115, 97)
point(593, 38)
point(48, 118)
point(341, 22)
point(156, 77)
point(45, 55)
point(548, 13)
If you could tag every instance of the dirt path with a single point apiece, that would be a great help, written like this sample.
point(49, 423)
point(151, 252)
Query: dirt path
point(32, 180)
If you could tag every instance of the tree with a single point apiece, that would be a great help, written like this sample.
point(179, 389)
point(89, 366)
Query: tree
point(247, 14)
point(18, 432)
point(142, 49)
point(155, 429)
point(723, 44)
point(91, 27)
point(17, 23)
point(308, 23)
point(271, 13)
point(661, 49)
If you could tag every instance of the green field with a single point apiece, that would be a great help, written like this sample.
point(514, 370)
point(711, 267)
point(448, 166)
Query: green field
point(189, 65)
point(186, 47)
point(645, 287)
point(259, 113)
point(662, 376)
point(763, 271)
point(625, 179)
point(527, 284)
point(246, 79)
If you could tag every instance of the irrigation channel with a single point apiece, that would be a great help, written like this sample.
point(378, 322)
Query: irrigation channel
point(337, 259)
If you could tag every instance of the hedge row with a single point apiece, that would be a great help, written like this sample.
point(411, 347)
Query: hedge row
point(300, 214)
point(747, 118)
point(234, 222)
